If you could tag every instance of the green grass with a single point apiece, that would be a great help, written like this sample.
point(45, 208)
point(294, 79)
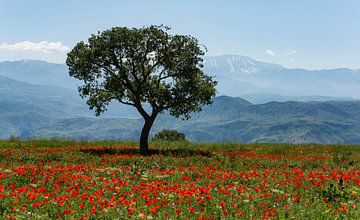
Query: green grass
point(46, 179)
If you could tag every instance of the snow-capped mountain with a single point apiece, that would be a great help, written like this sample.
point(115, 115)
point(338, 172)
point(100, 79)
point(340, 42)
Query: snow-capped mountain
point(237, 64)
point(240, 75)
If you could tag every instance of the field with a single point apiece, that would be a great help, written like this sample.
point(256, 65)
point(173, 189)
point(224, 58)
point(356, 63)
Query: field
point(110, 180)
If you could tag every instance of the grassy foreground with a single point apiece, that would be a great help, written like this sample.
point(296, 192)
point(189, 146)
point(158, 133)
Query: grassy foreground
point(110, 180)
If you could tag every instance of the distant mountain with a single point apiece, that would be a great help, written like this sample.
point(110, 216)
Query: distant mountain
point(47, 100)
point(233, 119)
point(239, 65)
point(26, 106)
point(48, 105)
point(267, 97)
point(38, 72)
point(240, 75)
point(237, 76)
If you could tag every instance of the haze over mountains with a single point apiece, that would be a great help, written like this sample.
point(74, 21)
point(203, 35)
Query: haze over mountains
point(38, 72)
point(241, 76)
point(39, 99)
point(238, 76)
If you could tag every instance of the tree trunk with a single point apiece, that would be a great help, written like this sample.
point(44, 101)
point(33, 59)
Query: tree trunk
point(144, 146)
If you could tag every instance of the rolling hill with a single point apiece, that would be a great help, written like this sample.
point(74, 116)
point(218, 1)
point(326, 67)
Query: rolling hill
point(232, 119)
point(50, 107)
point(26, 107)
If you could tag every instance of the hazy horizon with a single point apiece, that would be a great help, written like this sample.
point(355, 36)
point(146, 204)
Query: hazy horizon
point(219, 55)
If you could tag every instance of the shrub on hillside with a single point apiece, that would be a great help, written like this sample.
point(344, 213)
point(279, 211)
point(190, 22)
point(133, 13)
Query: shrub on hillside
point(169, 135)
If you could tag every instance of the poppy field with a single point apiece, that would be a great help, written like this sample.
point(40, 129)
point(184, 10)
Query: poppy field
point(110, 180)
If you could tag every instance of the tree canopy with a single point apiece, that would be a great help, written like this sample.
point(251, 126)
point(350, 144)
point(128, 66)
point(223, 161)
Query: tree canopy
point(142, 65)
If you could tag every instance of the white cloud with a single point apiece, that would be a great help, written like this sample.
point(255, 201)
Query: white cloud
point(43, 46)
point(270, 52)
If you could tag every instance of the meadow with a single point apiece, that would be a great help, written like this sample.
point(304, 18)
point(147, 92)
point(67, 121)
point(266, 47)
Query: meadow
point(50, 179)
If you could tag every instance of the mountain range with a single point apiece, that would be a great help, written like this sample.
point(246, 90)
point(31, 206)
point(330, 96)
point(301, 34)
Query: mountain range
point(240, 76)
point(39, 99)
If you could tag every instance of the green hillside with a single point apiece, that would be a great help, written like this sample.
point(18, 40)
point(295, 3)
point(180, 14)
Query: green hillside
point(40, 111)
point(233, 119)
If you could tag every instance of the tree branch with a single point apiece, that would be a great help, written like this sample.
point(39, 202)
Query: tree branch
point(133, 73)
point(141, 110)
point(126, 103)
point(161, 78)
point(127, 82)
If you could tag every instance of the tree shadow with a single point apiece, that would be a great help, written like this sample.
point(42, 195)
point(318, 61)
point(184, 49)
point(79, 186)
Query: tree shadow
point(180, 152)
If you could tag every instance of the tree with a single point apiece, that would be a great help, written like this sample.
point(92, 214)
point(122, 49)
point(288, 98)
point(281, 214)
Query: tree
point(169, 135)
point(141, 66)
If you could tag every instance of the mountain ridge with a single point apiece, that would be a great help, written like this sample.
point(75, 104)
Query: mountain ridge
point(288, 122)
point(47, 108)
point(241, 57)
point(293, 83)
point(256, 61)
point(256, 77)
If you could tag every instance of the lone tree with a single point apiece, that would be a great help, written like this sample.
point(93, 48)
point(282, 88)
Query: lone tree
point(142, 65)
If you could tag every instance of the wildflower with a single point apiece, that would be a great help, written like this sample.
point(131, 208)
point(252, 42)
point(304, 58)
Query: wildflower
point(131, 210)
point(225, 212)
point(67, 211)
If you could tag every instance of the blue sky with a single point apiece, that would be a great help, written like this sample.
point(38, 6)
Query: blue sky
point(312, 34)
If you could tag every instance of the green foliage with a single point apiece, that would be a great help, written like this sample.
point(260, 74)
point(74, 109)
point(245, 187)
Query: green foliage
point(342, 155)
point(335, 190)
point(14, 139)
point(169, 135)
point(134, 66)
